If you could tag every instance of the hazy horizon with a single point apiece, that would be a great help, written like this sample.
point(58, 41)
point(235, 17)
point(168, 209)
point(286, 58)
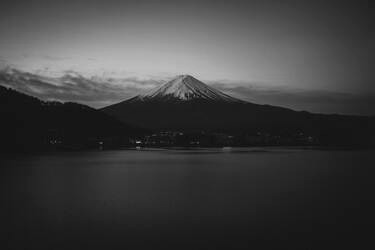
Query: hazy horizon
point(306, 55)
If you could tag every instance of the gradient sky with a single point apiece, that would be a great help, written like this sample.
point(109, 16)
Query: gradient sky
point(312, 45)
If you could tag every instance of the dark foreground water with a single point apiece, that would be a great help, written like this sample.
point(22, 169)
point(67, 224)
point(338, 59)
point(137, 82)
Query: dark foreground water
point(209, 199)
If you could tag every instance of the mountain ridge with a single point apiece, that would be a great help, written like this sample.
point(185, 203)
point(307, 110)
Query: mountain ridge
point(164, 110)
point(30, 124)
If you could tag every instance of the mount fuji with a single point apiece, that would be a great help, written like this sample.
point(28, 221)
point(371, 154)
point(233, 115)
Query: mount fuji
point(187, 104)
point(184, 88)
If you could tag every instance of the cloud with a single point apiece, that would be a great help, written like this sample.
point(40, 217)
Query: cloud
point(71, 86)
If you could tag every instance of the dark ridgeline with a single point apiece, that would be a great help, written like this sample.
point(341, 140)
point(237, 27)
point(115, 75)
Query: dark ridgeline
point(29, 124)
point(182, 112)
point(207, 115)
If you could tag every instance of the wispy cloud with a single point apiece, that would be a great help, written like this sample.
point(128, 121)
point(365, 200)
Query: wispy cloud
point(56, 58)
point(95, 92)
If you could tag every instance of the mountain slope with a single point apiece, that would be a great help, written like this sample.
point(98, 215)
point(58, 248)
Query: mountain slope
point(180, 105)
point(28, 123)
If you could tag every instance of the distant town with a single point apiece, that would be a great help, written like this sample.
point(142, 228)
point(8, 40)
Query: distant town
point(191, 139)
point(215, 139)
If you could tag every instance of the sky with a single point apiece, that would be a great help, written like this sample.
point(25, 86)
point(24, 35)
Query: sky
point(300, 46)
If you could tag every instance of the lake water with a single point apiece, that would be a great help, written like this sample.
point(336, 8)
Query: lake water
point(187, 199)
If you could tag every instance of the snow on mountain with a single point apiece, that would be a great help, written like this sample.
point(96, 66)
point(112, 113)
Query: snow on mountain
point(185, 88)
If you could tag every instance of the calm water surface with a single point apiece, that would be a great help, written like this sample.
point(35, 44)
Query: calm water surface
point(175, 199)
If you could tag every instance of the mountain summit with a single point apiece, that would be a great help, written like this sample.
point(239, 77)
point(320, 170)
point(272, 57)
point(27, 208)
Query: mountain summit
point(184, 88)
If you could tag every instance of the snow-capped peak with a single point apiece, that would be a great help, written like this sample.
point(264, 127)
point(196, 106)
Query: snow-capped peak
point(185, 88)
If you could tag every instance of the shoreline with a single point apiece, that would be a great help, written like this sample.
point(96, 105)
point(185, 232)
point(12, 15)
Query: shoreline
point(254, 149)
